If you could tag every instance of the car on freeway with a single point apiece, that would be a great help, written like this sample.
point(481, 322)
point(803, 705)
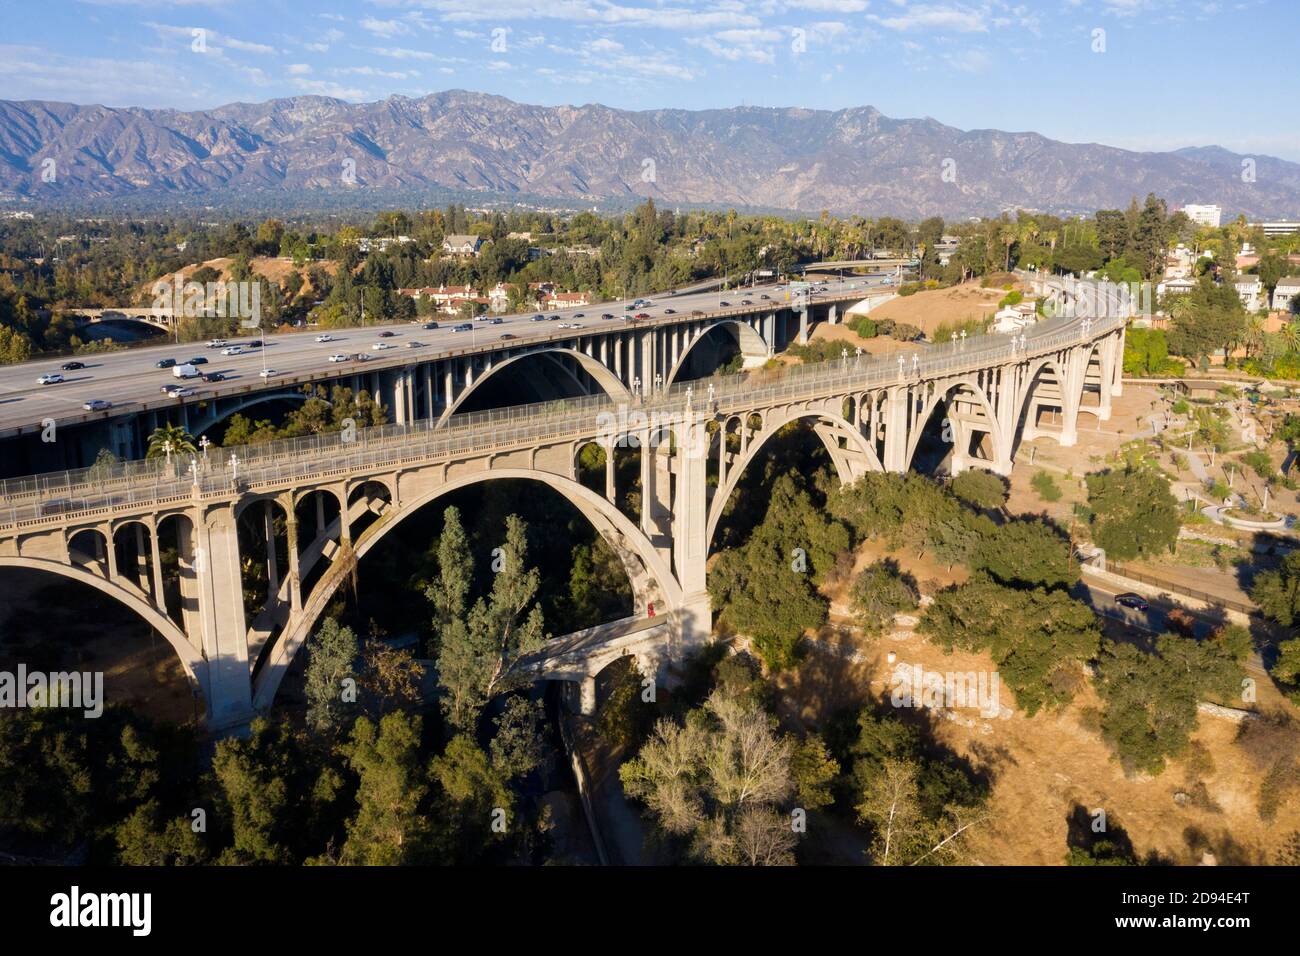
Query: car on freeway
point(414, 344)
point(97, 405)
point(697, 311)
point(429, 326)
point(324, 337)
point(380, 346)
point(217, 344)
point(386, 334)
point(339, 357)
point(566, 325)
point(463, 327)
point(765, 297)
point(72, 366)
point(197, 360)
point(507, 335)
point(164, 363)
point(182, 392)
point(723, 304)
point(497, 321)
point(361, 357)
point(539, 317)
point(579, 315)
point(214, 377)
point(267, 372)
point(168, 389)
point(670, 311)
point(50, 378)
point(1136, 601)
point(746, 302)
point(607, 316)
point(233, 350)
point(643, 315)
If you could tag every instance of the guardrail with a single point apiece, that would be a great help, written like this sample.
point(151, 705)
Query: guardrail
point(41, 499)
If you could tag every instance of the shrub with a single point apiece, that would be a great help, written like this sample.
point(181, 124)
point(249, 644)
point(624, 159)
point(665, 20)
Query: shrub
point(1046, 486)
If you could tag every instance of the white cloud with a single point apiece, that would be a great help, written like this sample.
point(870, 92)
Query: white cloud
point(385, 28)
point(299, 69)
point(943, 18)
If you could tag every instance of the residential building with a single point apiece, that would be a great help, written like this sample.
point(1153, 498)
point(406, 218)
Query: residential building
point(461, 245)
point(1251, 292)
point(1285, 294)
point(565, 300)
point(1204, 215)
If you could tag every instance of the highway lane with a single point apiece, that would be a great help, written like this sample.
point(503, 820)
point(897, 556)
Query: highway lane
point(130, 376)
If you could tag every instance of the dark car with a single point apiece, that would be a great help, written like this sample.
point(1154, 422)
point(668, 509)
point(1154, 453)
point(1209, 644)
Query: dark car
point(72, 366)
point(495, 321)
point(607, 316)
point(386, 334)
point(463, 327)
point(745, 302)
point(578, 315)
point(724, 304)
point(214, 377)
point(507, 335)
point(164, 363)
point(765, 296)
point(1136, 601)
point(198, 360)
point(539, 317)
point(430, 325)
point(670, 311)
point(643, 315)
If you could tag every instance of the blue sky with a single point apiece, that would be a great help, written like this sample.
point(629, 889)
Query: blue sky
point(1163, 73)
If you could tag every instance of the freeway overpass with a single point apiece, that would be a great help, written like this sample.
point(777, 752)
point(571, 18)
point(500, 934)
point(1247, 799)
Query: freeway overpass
point(418, 374)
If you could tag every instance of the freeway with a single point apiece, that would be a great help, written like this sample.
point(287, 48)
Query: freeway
point(130, 377)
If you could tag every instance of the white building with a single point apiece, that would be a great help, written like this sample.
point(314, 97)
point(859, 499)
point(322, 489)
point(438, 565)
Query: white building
point(1204, 215)
point(1285, 293)
point(1280, 227)
point(1251, 292)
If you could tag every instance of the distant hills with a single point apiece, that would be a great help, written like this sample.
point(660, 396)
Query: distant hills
point(317, 151)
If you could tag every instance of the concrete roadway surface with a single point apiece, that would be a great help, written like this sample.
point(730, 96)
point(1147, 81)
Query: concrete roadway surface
point(131, 375)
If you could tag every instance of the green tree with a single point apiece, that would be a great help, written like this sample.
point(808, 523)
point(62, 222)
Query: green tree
point(980, 489)
point(1039, 640)
point(331, 659)
point(474, 662)
point(388, 829)
point(879, 592)
point(1133, 512)
point(170, 439)
point(1026, 554)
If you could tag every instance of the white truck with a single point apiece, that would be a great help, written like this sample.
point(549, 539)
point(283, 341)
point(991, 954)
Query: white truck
point(185, 370)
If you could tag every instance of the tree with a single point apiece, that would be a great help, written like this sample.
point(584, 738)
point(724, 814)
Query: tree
point(890, 804)
point(1277, 592)
point(980, 489)
point(880, 591)
point(166, 440)
point(388, 829)
point(14, 346)
point(1133, 512)
point(332, 654)
point(1026, 554)
point(717, 781)
point(1151, 699)
point(256, 796)
point(475, 661)
point(1040, 640)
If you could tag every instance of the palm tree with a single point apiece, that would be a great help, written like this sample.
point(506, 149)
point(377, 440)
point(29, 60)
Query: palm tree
point(1291, 336)
point(168, 440)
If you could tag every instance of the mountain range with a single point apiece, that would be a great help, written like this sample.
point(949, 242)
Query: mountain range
point(313, 149)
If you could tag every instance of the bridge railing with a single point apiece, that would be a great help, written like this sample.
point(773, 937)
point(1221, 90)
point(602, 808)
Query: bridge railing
point(43, 498)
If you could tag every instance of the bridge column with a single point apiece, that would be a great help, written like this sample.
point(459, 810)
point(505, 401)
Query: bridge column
point(587, 698)
point(610, 490)
point(295, 576)
point(693, 622)
point(896, 429)
point(221, 617)
point(803, 325)
point(272, 554)
point(155, 554)
point(1071, 395)
point(1117, 365)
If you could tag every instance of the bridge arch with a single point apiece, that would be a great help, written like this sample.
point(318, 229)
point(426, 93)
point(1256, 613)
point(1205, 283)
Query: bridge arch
point(216, 412)
point(193, 662)
point(619, 532)
point(771, 423)
point(966, 387)
point(752, 345)
point(603, 376)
